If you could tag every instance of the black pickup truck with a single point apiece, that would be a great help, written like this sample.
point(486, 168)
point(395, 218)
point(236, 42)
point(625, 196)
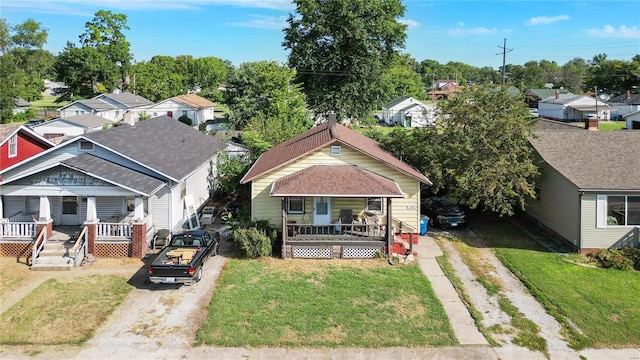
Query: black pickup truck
point(182, 259)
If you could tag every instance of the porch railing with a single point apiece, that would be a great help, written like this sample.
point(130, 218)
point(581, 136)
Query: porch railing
point(114, 230)
point(41, 241)
point(353, 231)
point(17, 229)
point(80, 249)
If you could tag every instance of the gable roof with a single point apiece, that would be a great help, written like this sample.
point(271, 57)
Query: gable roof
point(194, 101)
point(627, 98)
point(592, 160)
point(127, 99)
point(171, 147)
point(94, 104)
point(8, 130)
point(84, 120)
point(20, 102)
point(395, 101)
point(320, 136)
point(545, 93)
point(114, 173)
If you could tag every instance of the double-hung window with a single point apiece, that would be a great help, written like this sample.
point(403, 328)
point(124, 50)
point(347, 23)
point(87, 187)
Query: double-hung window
point(295, 205)
point(13, 145)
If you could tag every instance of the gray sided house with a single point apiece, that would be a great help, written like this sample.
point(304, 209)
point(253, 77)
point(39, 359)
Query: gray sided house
point(157, 172)
point(590, 189)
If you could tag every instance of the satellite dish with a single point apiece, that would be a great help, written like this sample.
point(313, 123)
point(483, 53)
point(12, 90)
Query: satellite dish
point(603, 97)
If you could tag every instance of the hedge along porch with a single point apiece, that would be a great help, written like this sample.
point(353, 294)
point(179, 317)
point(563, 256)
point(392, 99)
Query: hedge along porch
point(302, 186)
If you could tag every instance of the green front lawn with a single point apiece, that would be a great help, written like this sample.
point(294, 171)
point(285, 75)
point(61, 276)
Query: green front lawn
point(603, 303)
point(47, 103)
point(315, 303)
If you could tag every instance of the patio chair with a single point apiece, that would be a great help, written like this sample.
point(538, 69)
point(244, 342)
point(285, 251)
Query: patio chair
point(161, 238)
point(346, 217)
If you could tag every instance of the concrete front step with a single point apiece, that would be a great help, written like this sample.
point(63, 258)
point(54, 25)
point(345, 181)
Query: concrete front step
point(51, 267)
point(52, 263)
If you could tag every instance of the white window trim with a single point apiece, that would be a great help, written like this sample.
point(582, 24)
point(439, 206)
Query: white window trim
point(602, 206)
point(13, 146)
point(289, 211)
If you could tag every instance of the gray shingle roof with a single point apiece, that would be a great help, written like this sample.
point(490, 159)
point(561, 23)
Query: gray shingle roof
point(95, 104)
point(395, 101)
point(593, 160)
point(87, 120)
point(114, 173)
point(129, 99)
point(163, 143)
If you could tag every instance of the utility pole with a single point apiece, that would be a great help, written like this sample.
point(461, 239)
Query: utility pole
point(597, 115)
point(504, 58)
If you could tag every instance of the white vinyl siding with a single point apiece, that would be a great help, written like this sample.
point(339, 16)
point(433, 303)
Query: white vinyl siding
point(159, 208)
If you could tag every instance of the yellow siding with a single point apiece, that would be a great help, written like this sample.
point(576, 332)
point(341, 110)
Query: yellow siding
point(264, 207)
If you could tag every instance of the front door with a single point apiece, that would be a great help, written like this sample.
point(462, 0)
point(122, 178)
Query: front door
point(322, 210)
point(69, 213)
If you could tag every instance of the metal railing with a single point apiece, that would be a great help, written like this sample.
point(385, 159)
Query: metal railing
point(41, 241)
point(80, 249)
point(114, 230)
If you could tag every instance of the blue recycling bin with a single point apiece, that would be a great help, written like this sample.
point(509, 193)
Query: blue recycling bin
point(424, 221)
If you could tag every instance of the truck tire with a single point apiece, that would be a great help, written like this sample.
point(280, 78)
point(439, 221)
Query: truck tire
point(198, 275)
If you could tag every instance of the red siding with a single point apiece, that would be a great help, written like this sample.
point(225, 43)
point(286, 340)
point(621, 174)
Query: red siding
point(27, 147)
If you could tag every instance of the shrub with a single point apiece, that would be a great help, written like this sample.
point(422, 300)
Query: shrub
point(253, 243)
point(185, 119)
point(614, 258)
point(633, 254)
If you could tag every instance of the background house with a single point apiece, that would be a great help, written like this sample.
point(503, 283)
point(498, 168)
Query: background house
point(110, 106)
point(53, 88)
point(624, 105)
point(569, 107)
point(195, 107)
point(408, 112)
point(71, 126)
point(533, 96)
point(18, 143)
point(589, 193)
point(633, 120)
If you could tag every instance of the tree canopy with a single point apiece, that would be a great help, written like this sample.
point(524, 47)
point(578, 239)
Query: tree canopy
point(478, 154)
point(341, 49)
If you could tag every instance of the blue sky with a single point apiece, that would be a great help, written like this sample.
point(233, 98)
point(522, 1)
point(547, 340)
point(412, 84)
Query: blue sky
point(471, 32)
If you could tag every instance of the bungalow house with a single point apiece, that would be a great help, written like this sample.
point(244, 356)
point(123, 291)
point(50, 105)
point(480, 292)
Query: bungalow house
point(118, 185)
point(624, 105)
point(336, 194)
point(589, 194)
point(110, 106)
point(53, 88)
point(18, 143)
point(71, 126)
point(533, 96)
point(20, 106)
point(408, 112)
point(196, 108)
point(569, 107)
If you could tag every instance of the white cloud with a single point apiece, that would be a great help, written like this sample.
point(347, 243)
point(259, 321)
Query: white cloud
point(461, 24)
point(543, 20)
point(410, 23)
point(264, 22)
point(611, 32)
point(476, 31)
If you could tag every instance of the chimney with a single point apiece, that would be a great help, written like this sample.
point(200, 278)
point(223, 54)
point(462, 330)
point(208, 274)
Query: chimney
point(557, 94)
point(331, 118)
point(129, 118)
point(628, 94)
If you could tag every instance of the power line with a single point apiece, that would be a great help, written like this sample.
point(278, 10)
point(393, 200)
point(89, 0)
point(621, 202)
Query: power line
point(504, 58)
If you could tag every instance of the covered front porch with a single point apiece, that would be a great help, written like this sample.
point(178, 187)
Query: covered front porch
point(352, 220)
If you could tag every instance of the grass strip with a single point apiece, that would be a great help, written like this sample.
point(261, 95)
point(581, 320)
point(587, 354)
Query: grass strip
point(342, 303)
point(62, 313)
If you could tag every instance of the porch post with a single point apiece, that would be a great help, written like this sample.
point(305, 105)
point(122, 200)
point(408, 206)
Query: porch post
point(284, 226)
point(139, 209)
point(45, 209)
point(1, 206)
point(389, 226)
point(92, 233)
point(138, 239)
point(92, 214)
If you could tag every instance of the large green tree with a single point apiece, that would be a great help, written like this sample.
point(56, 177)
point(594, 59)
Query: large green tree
point(24, 64)
point(263, 99)
point(479, 152)
point(340, 50)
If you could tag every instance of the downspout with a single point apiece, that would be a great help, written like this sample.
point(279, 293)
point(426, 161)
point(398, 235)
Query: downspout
point(284, 226)
point(579, 240)
point(389, 230)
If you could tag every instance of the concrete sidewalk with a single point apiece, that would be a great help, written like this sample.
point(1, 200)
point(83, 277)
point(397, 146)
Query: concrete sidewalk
point(459, 317)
